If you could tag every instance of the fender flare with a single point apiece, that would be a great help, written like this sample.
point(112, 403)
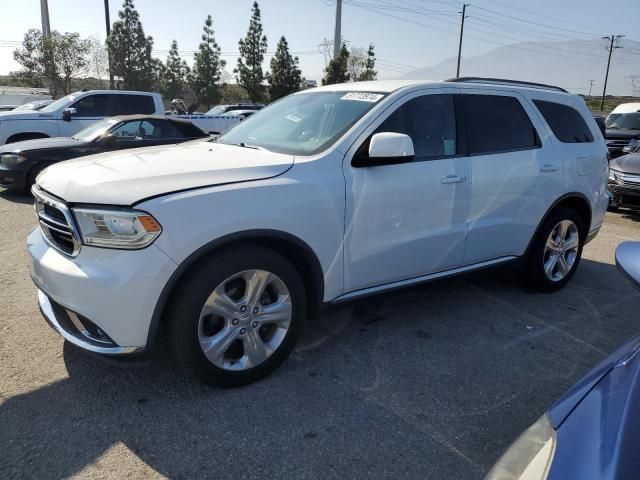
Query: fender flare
point(246, 236)
point(559, 200)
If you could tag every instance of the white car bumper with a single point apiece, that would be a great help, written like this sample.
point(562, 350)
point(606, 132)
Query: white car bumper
point(102, 300)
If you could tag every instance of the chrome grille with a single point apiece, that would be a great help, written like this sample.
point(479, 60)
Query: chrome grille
point(56, 222)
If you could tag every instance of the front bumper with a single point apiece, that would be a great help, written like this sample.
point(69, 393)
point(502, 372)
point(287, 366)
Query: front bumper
point(624, 195)
point(115, 291)
point(75, 334)
point(12, 178)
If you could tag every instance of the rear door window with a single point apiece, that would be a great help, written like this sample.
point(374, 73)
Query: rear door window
point(430, 121)
point(566, 122)
point(132, 104)
point(497, 123)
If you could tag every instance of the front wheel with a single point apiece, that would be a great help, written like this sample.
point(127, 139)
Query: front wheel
point(555, 252)
point(237, 316)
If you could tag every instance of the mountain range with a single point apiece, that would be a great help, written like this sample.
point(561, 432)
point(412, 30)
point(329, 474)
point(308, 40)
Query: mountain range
point(568, 64)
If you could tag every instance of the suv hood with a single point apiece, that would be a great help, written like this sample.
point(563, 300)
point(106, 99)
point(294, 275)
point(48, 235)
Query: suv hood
point(125, 178)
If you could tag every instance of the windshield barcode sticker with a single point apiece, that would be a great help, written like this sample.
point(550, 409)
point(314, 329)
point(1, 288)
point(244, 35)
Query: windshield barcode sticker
point(362, 96)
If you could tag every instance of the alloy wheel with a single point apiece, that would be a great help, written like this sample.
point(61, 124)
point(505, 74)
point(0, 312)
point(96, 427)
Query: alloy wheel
point(244, 320)
point(561, 250)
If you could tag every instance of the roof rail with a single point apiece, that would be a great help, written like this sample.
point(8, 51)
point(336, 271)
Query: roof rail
point(504, 81)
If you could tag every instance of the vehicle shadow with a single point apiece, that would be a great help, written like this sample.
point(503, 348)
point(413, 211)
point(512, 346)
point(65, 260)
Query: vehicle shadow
point(633, 215)
point(436, 378)
point(16, 197)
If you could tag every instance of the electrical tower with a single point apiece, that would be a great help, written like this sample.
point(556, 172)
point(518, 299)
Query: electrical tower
point(591, 82)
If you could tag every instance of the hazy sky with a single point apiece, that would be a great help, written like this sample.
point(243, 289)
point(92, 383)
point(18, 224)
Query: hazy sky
point(407, 34)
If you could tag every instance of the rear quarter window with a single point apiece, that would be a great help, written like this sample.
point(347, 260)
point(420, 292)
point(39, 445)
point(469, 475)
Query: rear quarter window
point(566, 122)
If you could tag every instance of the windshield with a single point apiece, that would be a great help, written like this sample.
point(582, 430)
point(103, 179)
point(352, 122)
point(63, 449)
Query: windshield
point(94, 130)
point(626, 121)
point(216, 110)
point(302, 124)
point(61, 102)
point(611, 118)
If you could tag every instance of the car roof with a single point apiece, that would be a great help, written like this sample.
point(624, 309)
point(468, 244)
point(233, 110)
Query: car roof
point(116, 92)
point(630, 107)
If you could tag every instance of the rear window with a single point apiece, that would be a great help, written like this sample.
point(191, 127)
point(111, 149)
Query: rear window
point(497, 123)
point(132, 104)
point(566, 122)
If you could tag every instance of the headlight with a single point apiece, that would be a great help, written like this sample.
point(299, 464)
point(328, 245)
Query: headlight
point(612, 175)
point(530, 456)
point(633, 144)
point(128, 229)
point(10, 160)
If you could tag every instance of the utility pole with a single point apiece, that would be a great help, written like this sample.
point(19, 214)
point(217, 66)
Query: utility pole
point(464, 9)
point(613, 39)
point(337, 35)
point(590, 86)
point(44, 16)
point(108, 25)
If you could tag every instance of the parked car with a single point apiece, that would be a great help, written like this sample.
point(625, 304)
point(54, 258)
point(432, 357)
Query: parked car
point(221, 118)
point(7, 108)
point(21, 162)
point(624, 181)
point(623, 134)
point(324, 196)
point(220, 109)
point(593, 431)
point(72, 113)
point(36, 105)
point(632, 107)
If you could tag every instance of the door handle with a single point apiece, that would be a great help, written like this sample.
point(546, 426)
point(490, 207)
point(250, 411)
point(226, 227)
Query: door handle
point(453, 179)
point(549, 167)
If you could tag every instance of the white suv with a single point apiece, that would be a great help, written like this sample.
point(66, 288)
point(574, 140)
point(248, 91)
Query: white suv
point(68, 115)
point(326, 195)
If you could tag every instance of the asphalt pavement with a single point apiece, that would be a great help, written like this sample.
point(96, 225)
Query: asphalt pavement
point(429, 382)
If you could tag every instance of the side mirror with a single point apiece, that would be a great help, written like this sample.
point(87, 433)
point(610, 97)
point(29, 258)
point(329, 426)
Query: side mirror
point(109, 139)
point(67, 113)
point(628, 261)
point(387, 148)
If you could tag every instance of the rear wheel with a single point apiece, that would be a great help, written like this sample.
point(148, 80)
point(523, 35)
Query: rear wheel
point(238, 316)
point(556, 251)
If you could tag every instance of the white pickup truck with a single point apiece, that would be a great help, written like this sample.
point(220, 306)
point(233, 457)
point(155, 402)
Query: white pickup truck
point(72, 113)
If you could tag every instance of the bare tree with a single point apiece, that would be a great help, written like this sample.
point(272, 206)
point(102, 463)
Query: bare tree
point(98, 60)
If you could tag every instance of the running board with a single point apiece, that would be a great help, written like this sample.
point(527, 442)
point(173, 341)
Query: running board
point(422, 279)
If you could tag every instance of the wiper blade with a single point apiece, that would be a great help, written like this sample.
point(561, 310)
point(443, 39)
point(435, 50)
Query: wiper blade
point(247, 145)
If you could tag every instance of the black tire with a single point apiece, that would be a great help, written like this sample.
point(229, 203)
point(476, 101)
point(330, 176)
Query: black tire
point(189, 298)
point(532, 270)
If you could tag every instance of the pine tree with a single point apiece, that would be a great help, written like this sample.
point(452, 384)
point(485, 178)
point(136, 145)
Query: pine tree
point(285, 76)
point(336, 71)
point(207, 67)
point(173, 79)
point(131, 51)
point(252, 50)
point(369, 72)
